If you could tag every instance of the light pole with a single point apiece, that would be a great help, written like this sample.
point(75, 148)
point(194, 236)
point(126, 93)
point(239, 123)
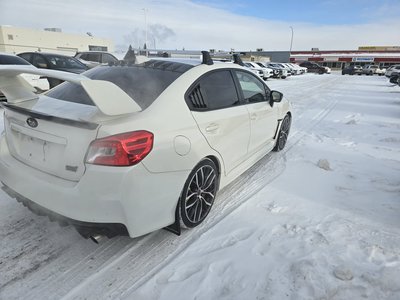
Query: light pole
point(291, 40)
point(145, 24)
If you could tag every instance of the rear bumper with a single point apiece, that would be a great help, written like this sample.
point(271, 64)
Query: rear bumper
point(86, 229)
point(140, 200)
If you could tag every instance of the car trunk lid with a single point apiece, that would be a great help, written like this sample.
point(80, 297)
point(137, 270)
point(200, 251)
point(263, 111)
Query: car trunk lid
point(51, 135)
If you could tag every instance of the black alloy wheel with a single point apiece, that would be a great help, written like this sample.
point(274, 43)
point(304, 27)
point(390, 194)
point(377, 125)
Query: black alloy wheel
point(283, 133)
point(199, 193)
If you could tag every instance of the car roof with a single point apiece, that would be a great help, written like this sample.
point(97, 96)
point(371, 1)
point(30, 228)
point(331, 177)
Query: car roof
point(44, 53)
point(186, 61)
point(78, 52)
point(7, 54)
point(11, 59)
point(196, 62)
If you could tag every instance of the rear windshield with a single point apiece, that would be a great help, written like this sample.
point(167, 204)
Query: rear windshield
point(143, 84)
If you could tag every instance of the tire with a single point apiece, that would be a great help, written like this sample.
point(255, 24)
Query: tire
point(198, 193)
point(283, 133)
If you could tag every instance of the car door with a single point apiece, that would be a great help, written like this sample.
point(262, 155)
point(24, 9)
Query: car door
point(221, 118)
point(263, 114)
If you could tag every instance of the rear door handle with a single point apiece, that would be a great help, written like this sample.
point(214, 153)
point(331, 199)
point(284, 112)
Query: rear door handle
point(212, 128)
point(253, 117)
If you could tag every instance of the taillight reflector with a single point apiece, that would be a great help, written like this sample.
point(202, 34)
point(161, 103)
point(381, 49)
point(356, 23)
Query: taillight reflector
point(125, 149)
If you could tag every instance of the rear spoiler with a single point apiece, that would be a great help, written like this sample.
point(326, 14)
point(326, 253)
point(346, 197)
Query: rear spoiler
point(110, 99)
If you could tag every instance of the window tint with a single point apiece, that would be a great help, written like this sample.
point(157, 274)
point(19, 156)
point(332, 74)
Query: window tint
point(12, 60)
point(219, 89)
point(107, 58)
point(253, 89)
point(82, 56)
point(64, 62)
point(26, 56)
point(141, 83)
point(39, 61)
point(96, 57)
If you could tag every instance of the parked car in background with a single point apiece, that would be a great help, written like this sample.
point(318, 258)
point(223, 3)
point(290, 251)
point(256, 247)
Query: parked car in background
point(394, 78)
point(372, 69)
point(313, 67)
point(283, 72)
point(352, 70)
point(328, 70)
point(266, 72)
point(39, 83)
point(94, 58)
point(296, 69)
point(54, 62)
point(300, 70)
point(390, 70)
point(257, 71)
point(101, 167)
point(275, 73)
point(289, 70)
point(380, 71)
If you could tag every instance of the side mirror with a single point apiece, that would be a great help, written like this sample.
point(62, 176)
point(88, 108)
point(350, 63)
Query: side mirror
point(276, 96)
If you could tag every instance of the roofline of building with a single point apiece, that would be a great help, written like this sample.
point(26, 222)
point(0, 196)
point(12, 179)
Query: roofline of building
point(344, 51)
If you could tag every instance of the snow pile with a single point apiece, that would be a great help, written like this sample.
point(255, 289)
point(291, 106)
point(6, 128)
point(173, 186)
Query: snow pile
point(319, 220)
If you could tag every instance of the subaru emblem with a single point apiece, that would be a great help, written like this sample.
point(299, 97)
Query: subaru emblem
point(32, 122)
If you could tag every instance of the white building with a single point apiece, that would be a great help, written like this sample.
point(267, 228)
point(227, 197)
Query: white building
point(16, 40)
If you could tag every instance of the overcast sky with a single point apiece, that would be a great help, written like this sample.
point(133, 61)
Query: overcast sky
point(198, 25)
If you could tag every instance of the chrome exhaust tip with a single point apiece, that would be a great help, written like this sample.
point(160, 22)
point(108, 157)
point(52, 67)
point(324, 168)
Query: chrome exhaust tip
point(97, 238)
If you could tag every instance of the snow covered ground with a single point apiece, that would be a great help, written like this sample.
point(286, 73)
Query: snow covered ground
point(319, 220)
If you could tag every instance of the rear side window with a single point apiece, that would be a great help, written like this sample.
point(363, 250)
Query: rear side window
point(96, 57)
point(26, 56)
point(107, 58)
point(219, 89)
point(141, 83)
point(64, 62)
point(82, 56)
point(39, 61)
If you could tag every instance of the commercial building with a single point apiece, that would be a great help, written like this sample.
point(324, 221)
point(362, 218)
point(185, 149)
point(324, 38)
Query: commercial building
point(334, 59)
point(377, 55)
point(16, 40)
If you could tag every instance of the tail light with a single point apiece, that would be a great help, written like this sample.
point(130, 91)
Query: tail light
point(124, 149)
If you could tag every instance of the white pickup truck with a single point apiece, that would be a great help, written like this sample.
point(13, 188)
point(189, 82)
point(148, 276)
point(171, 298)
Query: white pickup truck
point(373, 69)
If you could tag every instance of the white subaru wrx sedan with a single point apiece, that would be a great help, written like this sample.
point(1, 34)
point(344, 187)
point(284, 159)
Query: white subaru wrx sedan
point(131, 148)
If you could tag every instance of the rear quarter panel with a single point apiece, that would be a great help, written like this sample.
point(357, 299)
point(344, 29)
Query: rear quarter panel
point(178, 142)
